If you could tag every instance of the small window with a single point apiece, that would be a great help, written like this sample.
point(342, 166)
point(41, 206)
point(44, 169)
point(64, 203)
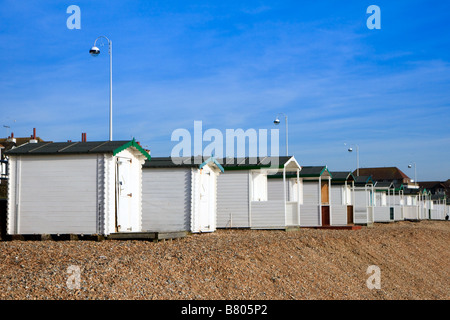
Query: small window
point(383, 199)
point(259, 186)
point(295, 190)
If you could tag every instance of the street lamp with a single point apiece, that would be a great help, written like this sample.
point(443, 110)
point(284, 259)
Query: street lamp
point(95, 51)
point(415, 172)
point(277, 122)
point(357, 158)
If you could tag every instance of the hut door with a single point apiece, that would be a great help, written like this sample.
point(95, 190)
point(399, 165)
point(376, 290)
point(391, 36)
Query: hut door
point(325, 215)
point(349, 214)
point(123, 195)
point(205, 197)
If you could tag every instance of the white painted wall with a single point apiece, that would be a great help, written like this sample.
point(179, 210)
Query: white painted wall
point(51, 195)
point(310, 209)
point(233, 200)
point(166, 199)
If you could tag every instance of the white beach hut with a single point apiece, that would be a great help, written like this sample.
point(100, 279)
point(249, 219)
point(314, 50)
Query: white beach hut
point(248, 198)
point(180, 194)
point(316, 209)
point(342, 198)
point(75, 188)
point(397, 201)
point(439, 209)
point(411, 206)
point(383, 205)
point(363, 200)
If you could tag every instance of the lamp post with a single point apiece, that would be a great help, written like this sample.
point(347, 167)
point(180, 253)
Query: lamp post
point(357, 158)
point(95, 51)
point(415, 172)
point(277, 122)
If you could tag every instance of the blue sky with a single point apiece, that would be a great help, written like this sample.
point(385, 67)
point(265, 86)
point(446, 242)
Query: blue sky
point(234, 64)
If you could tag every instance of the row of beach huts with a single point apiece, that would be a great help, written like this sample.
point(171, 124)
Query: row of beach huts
point(115, 188)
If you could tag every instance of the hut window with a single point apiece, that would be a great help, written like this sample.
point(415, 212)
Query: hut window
point(383, 199)
point(294, 190)
point(259, 187)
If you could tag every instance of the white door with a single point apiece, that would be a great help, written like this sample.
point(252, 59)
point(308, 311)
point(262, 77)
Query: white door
point(123, 195)
point(205, 201)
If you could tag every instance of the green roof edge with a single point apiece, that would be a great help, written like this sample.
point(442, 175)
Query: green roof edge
point(134, 144)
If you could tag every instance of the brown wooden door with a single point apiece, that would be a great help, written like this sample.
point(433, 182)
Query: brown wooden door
point(349, 214)
point(325, 192)
point(325, 216)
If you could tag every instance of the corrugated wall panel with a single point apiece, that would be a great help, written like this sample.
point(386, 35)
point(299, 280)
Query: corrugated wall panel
point(268, 214)
point(275, 189)
point(309, 215)
point(398, 213)
point(336, 194)
point(233, 199)
point(381, 214)
point(67, 203)
point(166, 199)
point(11, 206)
point(411, 212)
point(310, 192)
point(310, 210)
point(339, 215)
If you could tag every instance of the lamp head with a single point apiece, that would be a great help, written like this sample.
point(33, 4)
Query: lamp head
point(94, 51)
point(350, 149)
point(276, 121)
point(409, 166)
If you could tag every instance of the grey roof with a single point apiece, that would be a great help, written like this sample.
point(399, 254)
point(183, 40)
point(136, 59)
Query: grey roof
point(411, 191)
point(91, 147)
point(342, 176)
point(305, 172)
point(252, 162)
point(175, 162)
point(363, 180)
point(381, 184)
point(313, 171)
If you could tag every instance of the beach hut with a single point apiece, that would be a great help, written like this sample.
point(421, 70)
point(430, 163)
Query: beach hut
point(259, 193)
point(383, 206)
point(75, 188)
point(425, 204)
point(439, 209)
point(397, 201)
point(180, 194)
point(342, 184)
point(363, 200)
point(411, 206)
point(315, 209)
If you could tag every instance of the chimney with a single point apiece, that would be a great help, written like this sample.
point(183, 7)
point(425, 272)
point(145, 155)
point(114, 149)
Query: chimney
point(83, 137)
point(12, 139)
point(33, 137)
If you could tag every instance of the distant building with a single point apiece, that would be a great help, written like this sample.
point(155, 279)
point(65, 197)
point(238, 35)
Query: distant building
point(385, 174)
point(6, 144)
point(439, 190)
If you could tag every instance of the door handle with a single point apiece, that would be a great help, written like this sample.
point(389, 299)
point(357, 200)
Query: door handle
point(130, 194)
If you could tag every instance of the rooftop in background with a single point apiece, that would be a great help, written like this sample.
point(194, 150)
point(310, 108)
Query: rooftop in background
point(385, 174)
point(13, 142)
